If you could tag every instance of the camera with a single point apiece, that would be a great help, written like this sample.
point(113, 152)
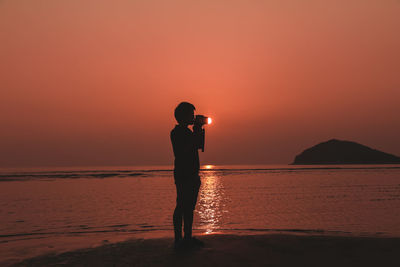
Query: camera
point(201, 120)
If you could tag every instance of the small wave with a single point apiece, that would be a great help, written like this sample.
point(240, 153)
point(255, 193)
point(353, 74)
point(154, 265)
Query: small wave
point(289, 230)
point(135, 174)
point(100, 174)
point(78, 175)
point(116, 229)
point(119, 225)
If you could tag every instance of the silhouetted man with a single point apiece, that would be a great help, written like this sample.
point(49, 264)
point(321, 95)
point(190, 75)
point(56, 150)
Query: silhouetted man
point(185, 145)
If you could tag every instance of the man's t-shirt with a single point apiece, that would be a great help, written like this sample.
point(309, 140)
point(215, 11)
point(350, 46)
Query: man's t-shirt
point(186, 164)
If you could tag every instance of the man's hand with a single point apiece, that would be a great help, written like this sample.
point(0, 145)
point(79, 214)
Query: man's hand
point(197, 127)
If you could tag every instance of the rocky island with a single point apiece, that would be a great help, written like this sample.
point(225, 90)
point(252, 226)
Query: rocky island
point(344, 152)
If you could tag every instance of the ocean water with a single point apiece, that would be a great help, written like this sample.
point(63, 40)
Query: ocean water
point(53, 210)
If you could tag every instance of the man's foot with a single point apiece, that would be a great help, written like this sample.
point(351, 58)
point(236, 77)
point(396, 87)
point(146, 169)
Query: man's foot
point(194, 242)
point(178, 244)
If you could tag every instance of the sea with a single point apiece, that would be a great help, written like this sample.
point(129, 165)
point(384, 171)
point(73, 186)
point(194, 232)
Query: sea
point(52, 210)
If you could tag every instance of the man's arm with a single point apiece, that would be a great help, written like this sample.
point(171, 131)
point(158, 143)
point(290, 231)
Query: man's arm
point(199, 136)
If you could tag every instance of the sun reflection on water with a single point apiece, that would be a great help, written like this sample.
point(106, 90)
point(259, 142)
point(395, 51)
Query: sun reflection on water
point(208, 167)
point(210, 207)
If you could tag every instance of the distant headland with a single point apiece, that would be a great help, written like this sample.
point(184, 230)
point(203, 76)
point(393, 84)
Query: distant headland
point(344, 152)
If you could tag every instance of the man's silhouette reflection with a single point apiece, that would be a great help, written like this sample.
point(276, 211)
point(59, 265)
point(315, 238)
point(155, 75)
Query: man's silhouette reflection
point(186, 143)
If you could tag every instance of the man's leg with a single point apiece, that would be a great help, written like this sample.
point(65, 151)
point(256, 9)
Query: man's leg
point(178, 213)
point(188, 219)
point(196, 193)
point(187, 211)
point(191, 192)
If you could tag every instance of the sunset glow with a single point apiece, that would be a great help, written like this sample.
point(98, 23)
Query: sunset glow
point(200, 133)
point(94, 85)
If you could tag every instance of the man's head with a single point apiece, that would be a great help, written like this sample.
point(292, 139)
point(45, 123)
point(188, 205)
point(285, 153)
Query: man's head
point(184, 113)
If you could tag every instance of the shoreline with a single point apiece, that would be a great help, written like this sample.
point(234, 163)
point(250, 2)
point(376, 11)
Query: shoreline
point(235, 250)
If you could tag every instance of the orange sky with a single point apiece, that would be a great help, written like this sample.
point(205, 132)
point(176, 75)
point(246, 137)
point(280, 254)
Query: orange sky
point(95, 82)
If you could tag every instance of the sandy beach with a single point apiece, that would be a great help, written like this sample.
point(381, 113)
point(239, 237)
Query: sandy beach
point(236, 250)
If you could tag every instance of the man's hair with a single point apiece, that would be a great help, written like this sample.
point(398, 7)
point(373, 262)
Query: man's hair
point(181, 110)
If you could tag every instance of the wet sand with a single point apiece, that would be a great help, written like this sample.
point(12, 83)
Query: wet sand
point(236, 250)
